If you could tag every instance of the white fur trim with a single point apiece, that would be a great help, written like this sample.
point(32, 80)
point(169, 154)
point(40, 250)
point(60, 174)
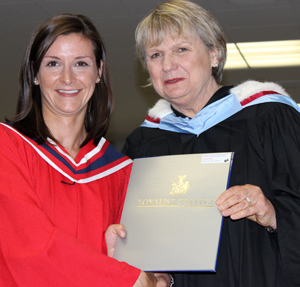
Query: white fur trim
point(249, 88)
point(160, 109)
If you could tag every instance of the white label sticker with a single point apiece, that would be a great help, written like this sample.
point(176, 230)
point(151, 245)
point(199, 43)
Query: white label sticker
point(216, 158)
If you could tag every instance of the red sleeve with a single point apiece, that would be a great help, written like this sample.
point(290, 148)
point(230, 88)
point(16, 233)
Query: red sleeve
point(35, 252)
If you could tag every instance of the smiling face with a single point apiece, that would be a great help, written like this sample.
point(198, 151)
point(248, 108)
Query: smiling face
point(67, 77)
point(181, 72)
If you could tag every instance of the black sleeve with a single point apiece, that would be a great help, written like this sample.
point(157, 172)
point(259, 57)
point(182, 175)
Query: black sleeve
point(131, 145)
point(279, 131)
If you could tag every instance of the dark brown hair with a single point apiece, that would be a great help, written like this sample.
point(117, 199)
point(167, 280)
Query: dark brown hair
point(29, 118)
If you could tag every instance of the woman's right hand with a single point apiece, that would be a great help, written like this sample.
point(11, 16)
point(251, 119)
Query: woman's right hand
point(148, 279)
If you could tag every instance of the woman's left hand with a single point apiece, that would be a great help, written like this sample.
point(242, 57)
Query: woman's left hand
point(247, 201)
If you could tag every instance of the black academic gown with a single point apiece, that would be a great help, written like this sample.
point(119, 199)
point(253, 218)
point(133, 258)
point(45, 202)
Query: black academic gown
point(266, 142)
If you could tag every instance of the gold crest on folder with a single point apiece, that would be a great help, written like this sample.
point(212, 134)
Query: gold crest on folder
point(180, 187)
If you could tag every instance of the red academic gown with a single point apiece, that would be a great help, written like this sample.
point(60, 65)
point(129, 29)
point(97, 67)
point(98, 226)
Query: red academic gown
point(54, 213)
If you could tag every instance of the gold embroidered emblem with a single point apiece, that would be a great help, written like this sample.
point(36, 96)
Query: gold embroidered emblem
point(180, 187)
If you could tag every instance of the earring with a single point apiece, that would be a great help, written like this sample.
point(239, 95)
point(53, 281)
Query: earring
point(216, 65)
point(98, 80)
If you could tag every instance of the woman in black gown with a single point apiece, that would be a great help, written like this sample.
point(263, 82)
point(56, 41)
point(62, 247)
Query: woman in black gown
point(184, 50)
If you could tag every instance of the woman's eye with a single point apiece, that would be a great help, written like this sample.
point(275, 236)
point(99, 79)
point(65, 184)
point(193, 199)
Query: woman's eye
point(81, 64)
point(155, 55)
point(182, 49)
point(52, 64)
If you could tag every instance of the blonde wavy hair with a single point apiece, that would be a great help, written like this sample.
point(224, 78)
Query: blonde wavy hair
point(181, 18)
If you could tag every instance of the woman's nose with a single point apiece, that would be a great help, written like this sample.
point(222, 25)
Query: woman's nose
point(67, 76)
point(169, 63)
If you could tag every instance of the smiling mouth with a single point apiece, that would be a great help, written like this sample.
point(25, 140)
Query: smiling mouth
point(68, 91)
